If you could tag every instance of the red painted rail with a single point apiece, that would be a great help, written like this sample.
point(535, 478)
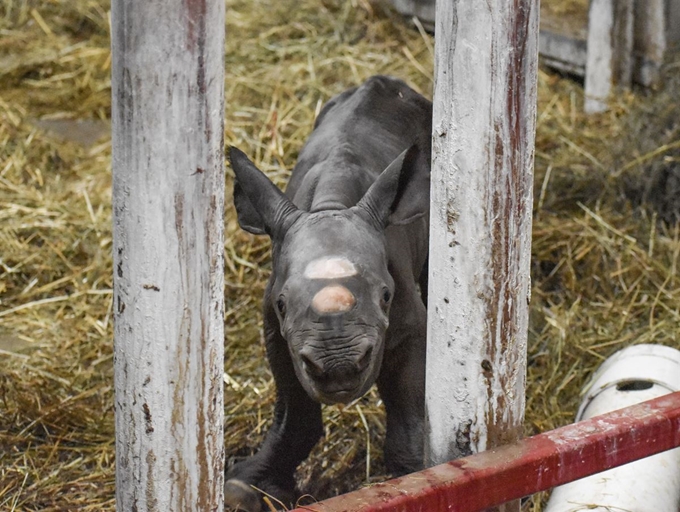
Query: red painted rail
point(535, 464)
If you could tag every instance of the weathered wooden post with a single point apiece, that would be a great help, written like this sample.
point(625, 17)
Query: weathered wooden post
point(486, 57)
point(626, 42)
point(609, 60)
point(649, 44)
point(168, 195)
point(673, 22)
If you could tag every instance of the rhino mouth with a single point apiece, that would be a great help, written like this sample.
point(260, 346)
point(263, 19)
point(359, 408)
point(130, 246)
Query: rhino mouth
point(339, 396)
point(338, 375)
point(338, 391)
point(340, 383)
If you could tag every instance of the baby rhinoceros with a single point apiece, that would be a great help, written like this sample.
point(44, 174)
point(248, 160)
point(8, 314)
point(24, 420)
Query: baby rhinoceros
point(345, 305)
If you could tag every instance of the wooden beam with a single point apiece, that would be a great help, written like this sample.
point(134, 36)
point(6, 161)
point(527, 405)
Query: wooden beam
point(481, 202)
point(541, 462)
point(564, 53)
point(655, 25)
point(168, 203)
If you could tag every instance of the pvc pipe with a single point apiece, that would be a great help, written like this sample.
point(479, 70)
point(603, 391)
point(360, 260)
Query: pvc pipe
point(630, 376)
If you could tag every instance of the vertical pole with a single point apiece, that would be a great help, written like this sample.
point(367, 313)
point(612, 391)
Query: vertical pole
point(649, 41)
point(609, 54)
point(168, 203)
point(672, 22)
point(486, 58)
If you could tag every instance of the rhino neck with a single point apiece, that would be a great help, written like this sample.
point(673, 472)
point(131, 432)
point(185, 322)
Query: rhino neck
point(336, 183)
point(339, 190)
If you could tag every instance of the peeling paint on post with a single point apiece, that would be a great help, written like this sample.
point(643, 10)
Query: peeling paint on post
point(480, 238)
point(168, 201)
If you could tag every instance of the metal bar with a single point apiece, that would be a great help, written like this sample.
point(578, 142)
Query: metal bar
point(535, 464)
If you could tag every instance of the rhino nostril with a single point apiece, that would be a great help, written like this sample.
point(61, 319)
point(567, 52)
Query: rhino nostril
point(365, 359)
point(312, 367)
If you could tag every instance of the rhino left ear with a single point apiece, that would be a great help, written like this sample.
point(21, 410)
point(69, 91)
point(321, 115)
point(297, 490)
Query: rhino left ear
point(401, 194)
point(261, 207)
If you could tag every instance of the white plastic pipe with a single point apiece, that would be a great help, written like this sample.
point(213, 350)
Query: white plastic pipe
point(630, 376)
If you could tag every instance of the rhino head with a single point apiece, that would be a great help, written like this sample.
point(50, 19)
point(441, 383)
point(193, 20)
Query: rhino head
point(331, 287)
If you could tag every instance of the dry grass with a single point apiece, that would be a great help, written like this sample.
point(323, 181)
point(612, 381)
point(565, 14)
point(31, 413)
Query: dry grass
point(605, 271)
point(568, 17)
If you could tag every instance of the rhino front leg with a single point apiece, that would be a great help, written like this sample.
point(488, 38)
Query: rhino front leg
point(402, 389)
point(296, 429)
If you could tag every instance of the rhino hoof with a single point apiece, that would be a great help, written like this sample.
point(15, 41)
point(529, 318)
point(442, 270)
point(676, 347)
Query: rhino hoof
point(238, 495)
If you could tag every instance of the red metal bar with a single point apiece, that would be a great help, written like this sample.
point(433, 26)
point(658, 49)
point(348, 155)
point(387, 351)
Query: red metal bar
point(553, 458)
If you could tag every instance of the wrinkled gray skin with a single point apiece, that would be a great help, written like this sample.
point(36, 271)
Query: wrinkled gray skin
point(360, 191)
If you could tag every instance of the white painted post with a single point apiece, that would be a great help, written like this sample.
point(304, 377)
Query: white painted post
point(486, 58)
point(168, 203)
point(650, 40)
point(609, 54)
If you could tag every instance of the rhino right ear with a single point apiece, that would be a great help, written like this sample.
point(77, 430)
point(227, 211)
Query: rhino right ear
point(261, 207)
point(400, 195)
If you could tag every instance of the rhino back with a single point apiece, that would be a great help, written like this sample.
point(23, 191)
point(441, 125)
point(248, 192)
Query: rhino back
point(356, 136)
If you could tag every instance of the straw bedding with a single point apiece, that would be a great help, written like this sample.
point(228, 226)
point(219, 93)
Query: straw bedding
point(605, 251)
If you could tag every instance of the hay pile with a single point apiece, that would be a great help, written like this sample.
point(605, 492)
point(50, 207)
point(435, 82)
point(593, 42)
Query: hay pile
point(56, 448)
point(604, 267)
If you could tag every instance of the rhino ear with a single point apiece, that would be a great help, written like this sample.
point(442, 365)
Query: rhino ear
point(401, 194)
point(260, 205)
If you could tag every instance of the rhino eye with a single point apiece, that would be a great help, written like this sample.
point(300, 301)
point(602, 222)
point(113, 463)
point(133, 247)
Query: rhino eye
point(281, 306)
point(386, 296)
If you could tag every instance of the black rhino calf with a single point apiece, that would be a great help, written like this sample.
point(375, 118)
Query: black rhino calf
point(345, 305)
